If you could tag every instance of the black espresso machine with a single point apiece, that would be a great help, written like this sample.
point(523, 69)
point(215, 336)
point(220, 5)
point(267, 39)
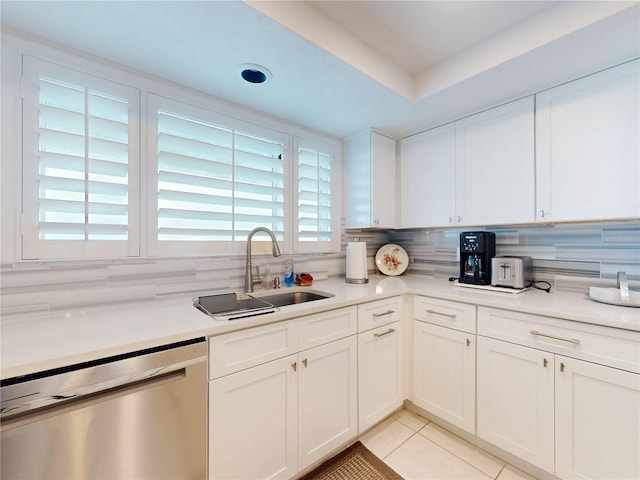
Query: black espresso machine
point(476, 251)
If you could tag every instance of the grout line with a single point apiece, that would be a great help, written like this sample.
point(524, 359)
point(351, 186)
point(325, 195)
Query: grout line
point(408, 438)
point(443, 448)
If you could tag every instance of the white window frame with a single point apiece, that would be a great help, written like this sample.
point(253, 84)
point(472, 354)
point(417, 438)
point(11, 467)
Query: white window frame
point(34, 247)
point(14, 166)
point(181, 248)
point(332, 245)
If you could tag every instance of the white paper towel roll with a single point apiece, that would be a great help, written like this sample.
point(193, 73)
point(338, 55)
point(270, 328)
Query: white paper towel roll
point(357, 263)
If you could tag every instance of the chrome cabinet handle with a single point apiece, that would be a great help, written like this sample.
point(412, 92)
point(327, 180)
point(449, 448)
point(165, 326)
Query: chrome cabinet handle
point(448, 315)
point(540, 334)
point(378, 335)
point(388, 312)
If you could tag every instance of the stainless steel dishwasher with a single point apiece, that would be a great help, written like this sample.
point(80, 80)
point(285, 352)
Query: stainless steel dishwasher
point(141, 415)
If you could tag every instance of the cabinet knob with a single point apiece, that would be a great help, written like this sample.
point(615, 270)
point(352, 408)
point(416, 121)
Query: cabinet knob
point(377, 221)
point(459, 219)
point(541, 213)
point(468, 342)
point(304, 362)
point(450, 219)
point(545, 363)
point(294, 365)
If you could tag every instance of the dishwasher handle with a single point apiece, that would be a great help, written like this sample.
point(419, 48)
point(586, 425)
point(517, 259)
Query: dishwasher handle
point(97, 377)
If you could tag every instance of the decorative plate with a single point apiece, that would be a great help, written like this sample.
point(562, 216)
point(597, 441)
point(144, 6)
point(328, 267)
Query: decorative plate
point(392, 259)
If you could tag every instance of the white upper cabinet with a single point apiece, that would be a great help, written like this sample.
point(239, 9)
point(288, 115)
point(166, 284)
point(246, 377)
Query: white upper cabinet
point(474, 172)
point(427, 180)
point(588, 147)
point(495, 165)
point(370, 181)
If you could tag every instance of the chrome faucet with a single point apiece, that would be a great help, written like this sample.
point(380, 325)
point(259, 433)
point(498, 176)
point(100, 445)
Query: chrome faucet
point(248, 276)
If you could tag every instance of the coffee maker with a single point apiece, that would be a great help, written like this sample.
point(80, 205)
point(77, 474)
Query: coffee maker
point(476, 251)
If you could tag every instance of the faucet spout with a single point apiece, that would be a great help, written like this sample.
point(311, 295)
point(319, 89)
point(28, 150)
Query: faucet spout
point(248, 276)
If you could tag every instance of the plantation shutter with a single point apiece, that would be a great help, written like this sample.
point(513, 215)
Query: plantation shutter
point(315, 218)
point(80, 178)
point(217, 179)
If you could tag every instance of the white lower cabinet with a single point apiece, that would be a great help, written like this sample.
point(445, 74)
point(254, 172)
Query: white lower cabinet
point(515, 400)
point(327, 399)
point(380, 360)
point(597, 421)
point(253, 418)
point(444, 360)
point(444, 373)
point(568, 416)
point(379, 374)
point(274, 418)
point(561, 395)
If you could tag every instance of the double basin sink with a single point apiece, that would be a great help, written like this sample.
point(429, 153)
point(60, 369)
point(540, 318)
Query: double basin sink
point(228, 306)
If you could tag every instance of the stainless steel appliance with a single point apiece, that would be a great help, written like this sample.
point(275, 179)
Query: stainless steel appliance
point(135, 416)
point(514, 272)
point(476, 251)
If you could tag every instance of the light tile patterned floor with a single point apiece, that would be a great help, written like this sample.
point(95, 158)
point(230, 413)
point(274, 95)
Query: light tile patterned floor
point(420, 450)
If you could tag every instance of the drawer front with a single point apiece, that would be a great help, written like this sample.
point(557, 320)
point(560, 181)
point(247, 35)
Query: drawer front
point(378, 313)
point(594, 343)
point(321, 328)
point(237, 351)
point(460, 316)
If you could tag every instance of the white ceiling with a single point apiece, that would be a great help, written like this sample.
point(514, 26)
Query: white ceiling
point(343, 66)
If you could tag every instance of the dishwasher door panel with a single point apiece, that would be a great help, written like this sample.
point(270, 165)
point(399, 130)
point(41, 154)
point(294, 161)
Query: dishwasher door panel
point(151, 429)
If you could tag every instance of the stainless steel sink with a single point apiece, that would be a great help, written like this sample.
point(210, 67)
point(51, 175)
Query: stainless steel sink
point(228, 306)
point(290, 298)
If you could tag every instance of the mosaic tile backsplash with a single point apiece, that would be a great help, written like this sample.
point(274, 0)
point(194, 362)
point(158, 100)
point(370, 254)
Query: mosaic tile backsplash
point(572, 257)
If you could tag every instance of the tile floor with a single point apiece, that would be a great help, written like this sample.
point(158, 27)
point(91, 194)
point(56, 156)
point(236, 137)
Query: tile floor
point(421, 450)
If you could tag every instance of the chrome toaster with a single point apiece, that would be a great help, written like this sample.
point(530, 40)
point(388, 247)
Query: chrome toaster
point(514, 272)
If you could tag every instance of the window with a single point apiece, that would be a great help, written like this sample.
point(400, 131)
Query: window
point(208, 179)
point(80, 175)
point(315, 218)
point(216, 179)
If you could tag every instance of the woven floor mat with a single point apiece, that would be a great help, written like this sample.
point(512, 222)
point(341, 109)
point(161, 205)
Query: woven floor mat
point(354, 463)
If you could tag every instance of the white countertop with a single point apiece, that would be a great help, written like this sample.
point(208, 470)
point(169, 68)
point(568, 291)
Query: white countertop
point(35, 343)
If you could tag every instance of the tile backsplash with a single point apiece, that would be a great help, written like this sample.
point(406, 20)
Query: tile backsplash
point(572, 257)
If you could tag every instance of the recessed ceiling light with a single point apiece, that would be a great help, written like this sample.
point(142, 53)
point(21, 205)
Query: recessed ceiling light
point(253, 73)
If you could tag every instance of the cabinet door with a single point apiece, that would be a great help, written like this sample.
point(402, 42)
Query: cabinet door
point(427, 178)
point(597, 421)
point(379, 374)
point(327, 399)
point(495, 164)
point(588, 147)
point(383, 194)
point(515, 400)
point(444, 373)
point(370, 181)
point(252, 422)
